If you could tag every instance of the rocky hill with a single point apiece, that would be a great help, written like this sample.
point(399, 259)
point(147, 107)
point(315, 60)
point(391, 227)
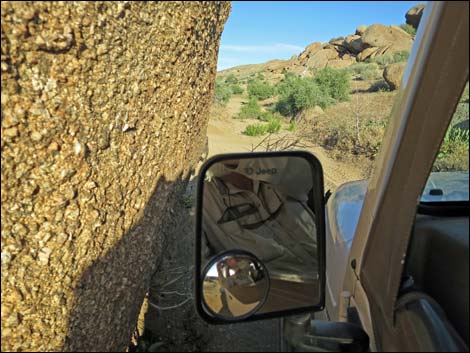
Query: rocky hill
point(365, 44)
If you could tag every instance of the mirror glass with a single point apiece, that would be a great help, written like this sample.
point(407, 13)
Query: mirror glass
point(234, 286)
point(267, 206)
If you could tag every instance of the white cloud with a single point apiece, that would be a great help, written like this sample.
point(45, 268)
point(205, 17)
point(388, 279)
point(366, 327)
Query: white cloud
point(272, 48)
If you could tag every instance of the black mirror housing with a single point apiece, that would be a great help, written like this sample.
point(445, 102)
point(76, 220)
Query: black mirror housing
point(269, 204)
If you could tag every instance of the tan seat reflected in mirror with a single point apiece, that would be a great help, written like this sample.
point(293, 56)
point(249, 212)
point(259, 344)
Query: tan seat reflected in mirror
point(265, 206)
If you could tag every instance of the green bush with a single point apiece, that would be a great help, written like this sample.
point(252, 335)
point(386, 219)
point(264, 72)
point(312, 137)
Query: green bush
point(252, 110)
point(231, 79)
point(387, 59)
point(461, 112)
point(401, 56)
point(366, 71)
point(453, 154)
point(255, 130)
point(260, 90)
point(292, 127)
point(274, 125)
point(287, 83)
point(408, 29)
point(222, 92)
point(268, 115)
point(334, 82)
point(236, 89)
point(382, 60)
point(297, 94)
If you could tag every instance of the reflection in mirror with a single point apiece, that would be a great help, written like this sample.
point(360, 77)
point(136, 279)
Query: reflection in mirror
point(234, 286)
point(265, 206)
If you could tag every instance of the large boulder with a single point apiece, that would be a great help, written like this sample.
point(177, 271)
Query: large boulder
point(320, 59)
point(367, 53)
point(104, 116)
point(309, 51)
point(338, 45)
point(413, 16)
point(345, 61)
point(393, 74)
point(371, 53)
point(353, 43)
point(382, 36)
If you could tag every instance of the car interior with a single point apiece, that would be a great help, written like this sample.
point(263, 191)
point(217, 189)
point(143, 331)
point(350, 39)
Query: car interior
point(433, 308)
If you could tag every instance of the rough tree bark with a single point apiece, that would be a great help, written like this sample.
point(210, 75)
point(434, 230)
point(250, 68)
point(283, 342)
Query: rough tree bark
point(104, 113)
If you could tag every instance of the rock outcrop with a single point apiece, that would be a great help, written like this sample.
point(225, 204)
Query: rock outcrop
point(320, 59)
point(413, 16)
point(309, 52)
point(353, 43)
point(104, 115)
point(360, 30)
point(345, 61)
point(393, 74)
point(368, 42)
point(381, 36)
point(379, 40)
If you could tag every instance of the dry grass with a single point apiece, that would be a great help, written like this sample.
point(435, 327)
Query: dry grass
point(351, 130)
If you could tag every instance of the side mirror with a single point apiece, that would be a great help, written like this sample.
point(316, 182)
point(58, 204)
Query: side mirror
point(260, 228)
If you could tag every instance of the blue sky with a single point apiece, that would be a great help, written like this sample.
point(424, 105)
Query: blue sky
point(258, 31)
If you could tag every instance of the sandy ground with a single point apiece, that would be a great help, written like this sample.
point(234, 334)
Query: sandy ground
point(225, 136)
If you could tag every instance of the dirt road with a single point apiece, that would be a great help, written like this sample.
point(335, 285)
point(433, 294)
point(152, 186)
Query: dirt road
point(225, 135)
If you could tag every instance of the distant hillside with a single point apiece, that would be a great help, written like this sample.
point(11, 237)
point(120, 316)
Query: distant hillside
point(367, 43)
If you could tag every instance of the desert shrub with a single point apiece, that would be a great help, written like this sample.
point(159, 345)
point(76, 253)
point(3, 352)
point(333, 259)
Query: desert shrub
point(387, 59)
point(401, 56)
point(366, 71)
point(453, 154)
point(274, 125)
point(301, 94)
point(231, 79)
point(408, 29)
point(260, 76)
point(269, 115)
point(252, 110)
point(236, 89)
point(286, 84)
point(461, 112)
point(297, 94)
point(334, 82)
point(260, 90)
point(352, 131)
point(255, 130)
point(382, 60)
point(222, 92)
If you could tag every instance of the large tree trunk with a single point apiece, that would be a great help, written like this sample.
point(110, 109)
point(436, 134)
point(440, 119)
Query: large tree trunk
point(104, 114)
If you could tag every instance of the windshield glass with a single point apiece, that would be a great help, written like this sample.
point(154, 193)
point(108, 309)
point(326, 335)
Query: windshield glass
point(449, 179)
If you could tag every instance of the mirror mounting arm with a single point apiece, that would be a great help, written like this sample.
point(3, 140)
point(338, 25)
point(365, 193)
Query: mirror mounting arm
point(324, 336)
